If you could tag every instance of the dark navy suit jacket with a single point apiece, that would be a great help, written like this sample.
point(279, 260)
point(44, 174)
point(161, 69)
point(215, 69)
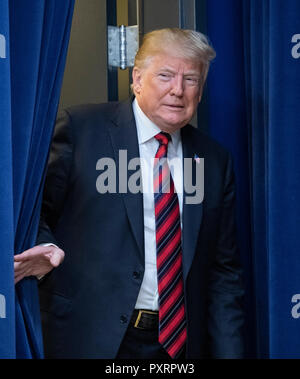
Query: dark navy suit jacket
point(87, 301)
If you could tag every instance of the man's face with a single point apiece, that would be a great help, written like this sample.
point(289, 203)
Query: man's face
point(168, 90)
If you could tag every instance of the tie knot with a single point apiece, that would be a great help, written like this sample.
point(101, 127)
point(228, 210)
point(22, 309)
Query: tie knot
point(163, 138)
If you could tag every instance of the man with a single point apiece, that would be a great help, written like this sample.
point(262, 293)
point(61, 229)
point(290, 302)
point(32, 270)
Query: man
point(146, 274)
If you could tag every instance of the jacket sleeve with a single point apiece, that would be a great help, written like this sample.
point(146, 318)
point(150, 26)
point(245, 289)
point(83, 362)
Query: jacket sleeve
point(56, 183)
point(225, 297)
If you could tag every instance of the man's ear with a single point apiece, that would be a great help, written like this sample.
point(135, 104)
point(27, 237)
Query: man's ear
point(136, 79)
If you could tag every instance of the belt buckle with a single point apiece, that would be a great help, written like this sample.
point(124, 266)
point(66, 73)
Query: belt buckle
point(141, 311)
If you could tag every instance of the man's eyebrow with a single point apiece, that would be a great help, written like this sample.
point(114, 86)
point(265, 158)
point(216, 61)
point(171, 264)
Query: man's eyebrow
point(171, 71)
point(166, 69)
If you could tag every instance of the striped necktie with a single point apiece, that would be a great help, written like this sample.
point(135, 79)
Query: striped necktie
point(172, 319)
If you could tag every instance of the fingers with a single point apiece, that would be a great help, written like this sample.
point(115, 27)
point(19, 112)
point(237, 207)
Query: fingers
point(21, 269)
point(20, 276)
point(37, 261)
point(57, 257)
point(20, 266)
point(34, 252)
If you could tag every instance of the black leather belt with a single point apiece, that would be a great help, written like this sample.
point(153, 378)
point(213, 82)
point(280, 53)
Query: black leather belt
point(144, 319)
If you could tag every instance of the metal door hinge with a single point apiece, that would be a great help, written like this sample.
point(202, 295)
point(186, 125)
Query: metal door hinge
point(123, 43)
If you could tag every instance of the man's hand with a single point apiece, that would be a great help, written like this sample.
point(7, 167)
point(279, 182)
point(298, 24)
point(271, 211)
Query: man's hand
point(37, 261)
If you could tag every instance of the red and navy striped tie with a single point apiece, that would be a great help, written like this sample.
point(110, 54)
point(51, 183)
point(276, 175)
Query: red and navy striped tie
point(172, 319)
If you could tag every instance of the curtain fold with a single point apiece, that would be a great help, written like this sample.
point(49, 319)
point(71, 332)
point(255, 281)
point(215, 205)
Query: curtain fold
point(273, 93)
point(256, 49)
point(38, 35)
point(228, 124)
point(7, 309)
point(254, 97)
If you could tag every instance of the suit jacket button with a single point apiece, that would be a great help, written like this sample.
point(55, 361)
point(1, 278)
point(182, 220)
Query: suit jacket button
point(124, 319)
point(136, 275)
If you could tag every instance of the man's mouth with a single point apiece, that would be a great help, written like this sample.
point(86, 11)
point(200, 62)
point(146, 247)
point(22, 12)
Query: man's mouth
point(173, 106)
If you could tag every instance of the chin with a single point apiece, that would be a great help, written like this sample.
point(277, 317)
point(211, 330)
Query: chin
point(171, 128)
point(171, 124)
point(176, 124)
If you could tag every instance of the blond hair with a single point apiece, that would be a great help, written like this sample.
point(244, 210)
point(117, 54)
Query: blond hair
point(184, 43)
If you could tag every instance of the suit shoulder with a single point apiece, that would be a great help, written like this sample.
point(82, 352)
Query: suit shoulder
point(206, 143)
point(90, 111)
point(86, 118)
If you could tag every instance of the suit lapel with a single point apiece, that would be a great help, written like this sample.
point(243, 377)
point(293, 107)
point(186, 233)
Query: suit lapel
point(124, 137)
point(192, 213)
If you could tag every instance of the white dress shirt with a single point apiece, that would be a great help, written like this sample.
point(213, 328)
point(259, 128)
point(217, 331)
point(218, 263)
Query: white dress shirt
point(148, 145)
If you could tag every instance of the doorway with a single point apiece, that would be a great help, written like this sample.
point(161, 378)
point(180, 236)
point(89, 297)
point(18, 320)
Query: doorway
point(88, 78)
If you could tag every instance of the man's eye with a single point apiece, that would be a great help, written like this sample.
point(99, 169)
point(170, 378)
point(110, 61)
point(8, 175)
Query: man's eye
point(164, 76)
point(191, 80)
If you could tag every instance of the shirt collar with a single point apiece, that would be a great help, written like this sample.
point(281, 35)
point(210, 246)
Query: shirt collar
point(146, 129)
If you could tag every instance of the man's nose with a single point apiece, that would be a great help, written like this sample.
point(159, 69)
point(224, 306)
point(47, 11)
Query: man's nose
point(177, 86)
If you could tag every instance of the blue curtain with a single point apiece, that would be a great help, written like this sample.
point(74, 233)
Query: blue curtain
point(33, 40)
point(254, 99)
